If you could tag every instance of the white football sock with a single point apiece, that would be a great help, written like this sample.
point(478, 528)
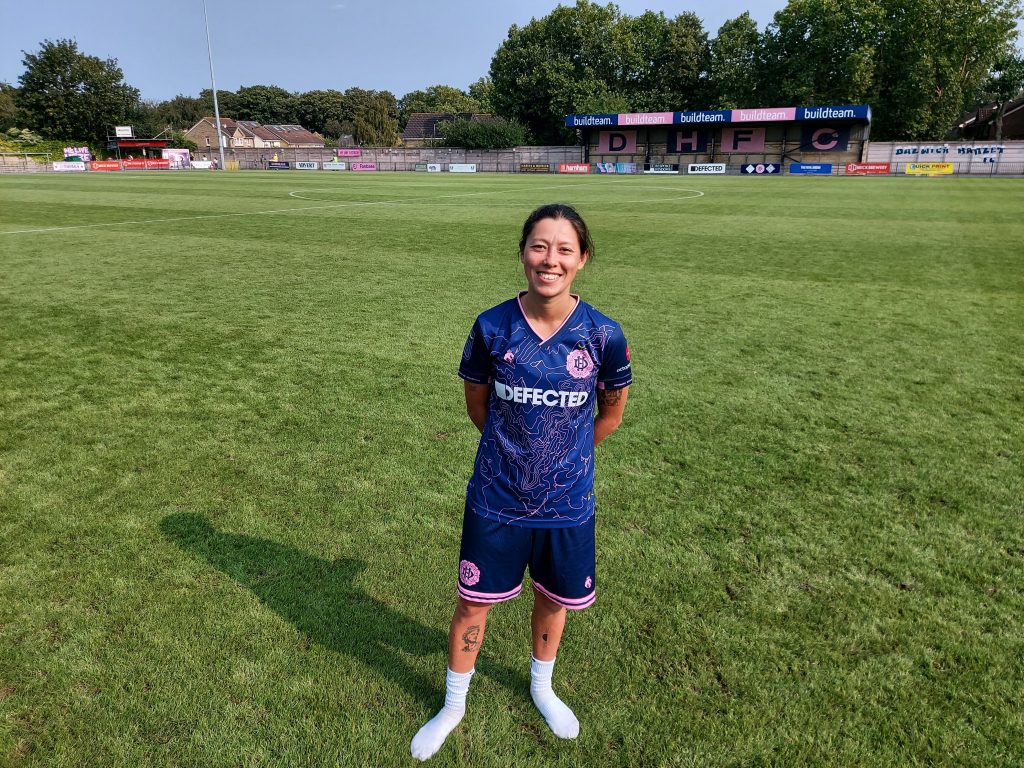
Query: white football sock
point(431, 736)
point(559, 717)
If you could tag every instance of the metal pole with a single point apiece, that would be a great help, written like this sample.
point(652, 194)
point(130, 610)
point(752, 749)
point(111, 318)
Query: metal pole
point(213, 86)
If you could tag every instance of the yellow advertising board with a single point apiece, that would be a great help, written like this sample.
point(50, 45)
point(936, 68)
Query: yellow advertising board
point(929, 169)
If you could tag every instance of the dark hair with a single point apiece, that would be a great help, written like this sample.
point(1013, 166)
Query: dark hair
point(559, 211)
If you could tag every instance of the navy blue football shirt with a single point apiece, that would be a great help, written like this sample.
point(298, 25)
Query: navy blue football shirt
point(535, 463)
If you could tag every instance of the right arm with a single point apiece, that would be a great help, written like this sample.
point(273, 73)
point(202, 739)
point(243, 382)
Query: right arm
point(476, 403)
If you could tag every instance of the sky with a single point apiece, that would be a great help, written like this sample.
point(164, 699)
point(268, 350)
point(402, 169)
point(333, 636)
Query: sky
point(302, 45)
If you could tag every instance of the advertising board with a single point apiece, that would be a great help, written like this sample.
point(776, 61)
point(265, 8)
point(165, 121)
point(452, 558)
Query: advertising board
point(760, 169)
point(304, 165)
point(615, 167)
point(349, 152)
point(69, 165)
point(201, 165)
point(434, 168)
point(275, 165)
point(104, 165)
point(178, 158)
point(79, 153)
point(665, 168)
point(534, 168)
point(929, 169)
point(364, 166)
point(574, 167)
point(124, 132)
point(867, 169)
point(420, 167)
point(461, 167)
point(811, 169)
point(334, 165)
point(705, 168)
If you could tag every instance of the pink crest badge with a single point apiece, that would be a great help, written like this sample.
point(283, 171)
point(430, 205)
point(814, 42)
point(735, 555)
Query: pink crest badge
point(588, 583)
point(579, 364)
point(509, 357)
point(468, 573)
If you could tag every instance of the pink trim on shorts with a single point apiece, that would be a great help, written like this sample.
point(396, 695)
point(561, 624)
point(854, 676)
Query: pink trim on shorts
point(489, 597)
point(573, 605)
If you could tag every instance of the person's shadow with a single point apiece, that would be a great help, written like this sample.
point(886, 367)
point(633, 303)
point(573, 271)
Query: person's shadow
point(325, 602)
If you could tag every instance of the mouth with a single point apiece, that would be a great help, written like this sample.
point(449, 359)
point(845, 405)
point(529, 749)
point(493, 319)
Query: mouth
point(548, 277)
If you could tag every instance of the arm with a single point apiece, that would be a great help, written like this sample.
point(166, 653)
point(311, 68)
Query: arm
point(610, 405)
point(476, 403)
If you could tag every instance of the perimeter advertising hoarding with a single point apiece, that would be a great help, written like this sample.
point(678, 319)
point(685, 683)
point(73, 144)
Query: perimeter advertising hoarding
point(334, 165)
point(304, 165)
point(178, 158)
point(349, 152)
point(705, 168)
point(615, 167)
point(929, 169)
point(433, 168)
point(69, 165)
point(201, 165)
point(277, 165)
point(104, 165)
point(574, 168)
point(148, 163)
point(420, 167)
point(661, 168)
point(461, 167)
point(867, 169)
point(534, 168)
point(364, 166)
point(758, 115)
point(811, 169)
point(760, 169)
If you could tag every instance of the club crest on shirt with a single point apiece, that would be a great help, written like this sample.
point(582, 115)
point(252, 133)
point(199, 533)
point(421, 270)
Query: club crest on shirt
point(579, 364)
point(509, 357)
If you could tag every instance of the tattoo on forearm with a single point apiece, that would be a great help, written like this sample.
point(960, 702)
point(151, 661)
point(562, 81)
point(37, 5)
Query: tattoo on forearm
point(609, 397)
point(471, 638)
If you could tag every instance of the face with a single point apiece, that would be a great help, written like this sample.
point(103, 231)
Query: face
point(552, 258)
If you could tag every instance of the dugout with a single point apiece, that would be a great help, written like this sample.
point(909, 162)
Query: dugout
point(776, 137)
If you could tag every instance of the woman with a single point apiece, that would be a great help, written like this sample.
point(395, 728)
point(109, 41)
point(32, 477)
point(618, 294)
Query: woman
point(533, 367)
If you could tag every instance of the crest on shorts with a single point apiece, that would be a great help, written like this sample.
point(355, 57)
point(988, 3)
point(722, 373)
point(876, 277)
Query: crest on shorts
point(588, 583)
point(468, 573)
point(579, 364)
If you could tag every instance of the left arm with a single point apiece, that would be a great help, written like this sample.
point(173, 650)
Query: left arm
point(610, 405)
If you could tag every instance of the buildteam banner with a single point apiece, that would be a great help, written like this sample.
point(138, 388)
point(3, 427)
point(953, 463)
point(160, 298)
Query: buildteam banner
point(858, 112)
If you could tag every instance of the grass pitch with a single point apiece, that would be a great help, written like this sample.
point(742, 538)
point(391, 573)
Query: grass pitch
point(233, 452)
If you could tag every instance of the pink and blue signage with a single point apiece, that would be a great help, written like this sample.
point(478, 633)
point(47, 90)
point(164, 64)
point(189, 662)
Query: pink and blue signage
point(349, 152)
point(611, 142)
point(857, 112)
point(364, 166)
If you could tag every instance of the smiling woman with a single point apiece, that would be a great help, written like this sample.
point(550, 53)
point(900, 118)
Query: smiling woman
point(533, 367)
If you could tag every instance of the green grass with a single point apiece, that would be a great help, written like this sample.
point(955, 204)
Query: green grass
point(233, 452)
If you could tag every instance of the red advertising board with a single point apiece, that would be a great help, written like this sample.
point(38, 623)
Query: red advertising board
point(867, 169)
point(104, 165)
point(143, 163)
point(574, 168)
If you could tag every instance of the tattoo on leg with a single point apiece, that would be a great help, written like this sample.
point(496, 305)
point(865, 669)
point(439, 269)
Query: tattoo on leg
point(544, 637)
point(471, 637)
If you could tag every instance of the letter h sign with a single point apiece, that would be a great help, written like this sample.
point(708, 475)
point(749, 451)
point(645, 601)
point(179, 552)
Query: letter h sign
point(693, 142)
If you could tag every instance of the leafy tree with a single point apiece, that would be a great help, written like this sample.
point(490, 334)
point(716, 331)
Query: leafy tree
point(483, 134)
point(225, 100)
point(371, 117)
point(316, 108)
point(735, 65)
point(481, 91)
point(662, 62)
point(436, 98)
point(10, 115)
point(182, 112)
point(179, 140)
point(1004, 83)
point(70, 95)
point(268, 104)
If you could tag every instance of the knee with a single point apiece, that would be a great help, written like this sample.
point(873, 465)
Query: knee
point(467, 611)
point(546, 606)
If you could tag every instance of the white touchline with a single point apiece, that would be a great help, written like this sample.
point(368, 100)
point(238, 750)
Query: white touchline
point(306, 208)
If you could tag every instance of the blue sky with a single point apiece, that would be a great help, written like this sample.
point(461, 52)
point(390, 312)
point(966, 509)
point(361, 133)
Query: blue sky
point(301, 45)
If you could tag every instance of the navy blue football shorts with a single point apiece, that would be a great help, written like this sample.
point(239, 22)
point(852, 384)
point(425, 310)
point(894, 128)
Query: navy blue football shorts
point(494, 556)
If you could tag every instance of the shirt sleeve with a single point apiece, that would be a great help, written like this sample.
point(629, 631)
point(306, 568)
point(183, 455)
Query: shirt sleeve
point(616, 370)
point(476, 358)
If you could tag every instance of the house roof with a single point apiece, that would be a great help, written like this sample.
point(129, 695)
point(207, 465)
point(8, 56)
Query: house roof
point(295, 134)
point(987, 112)
point(427, 125)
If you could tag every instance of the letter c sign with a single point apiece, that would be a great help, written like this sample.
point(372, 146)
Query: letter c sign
point(826, 139)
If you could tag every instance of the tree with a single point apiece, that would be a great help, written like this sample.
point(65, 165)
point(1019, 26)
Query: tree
point(661, 62)
point(316, 108)
point(735, 65)
point(269, 104)
point(371, 117)
point(10, 115)
point(69, 95)
point(481, 91)
point(182, 112)
point(436, 98)
point(483, 134)
point(1004, 83)
point(225, 101)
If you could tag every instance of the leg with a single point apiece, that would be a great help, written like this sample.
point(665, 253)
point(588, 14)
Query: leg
point(548, 621)
point(464, 640)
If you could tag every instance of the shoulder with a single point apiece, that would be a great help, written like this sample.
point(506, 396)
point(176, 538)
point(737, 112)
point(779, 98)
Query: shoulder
point(498, 314)
point(599, 320)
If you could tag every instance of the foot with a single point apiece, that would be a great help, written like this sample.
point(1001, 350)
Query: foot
point(431, 736)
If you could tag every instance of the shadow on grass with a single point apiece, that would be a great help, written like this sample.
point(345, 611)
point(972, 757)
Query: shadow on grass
point(324, 601)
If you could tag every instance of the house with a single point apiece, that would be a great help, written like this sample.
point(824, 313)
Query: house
point(249, 134)
point(980, 123)
point(424, 128)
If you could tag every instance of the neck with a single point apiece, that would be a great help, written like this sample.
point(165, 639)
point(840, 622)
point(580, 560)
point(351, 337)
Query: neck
point(554, 309)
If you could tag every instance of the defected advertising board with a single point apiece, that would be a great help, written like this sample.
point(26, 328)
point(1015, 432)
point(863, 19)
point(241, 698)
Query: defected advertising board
point(867, 169)
point(760, 169)
point(534, 168)
point(277, 165)
point(302, 165)
point(364, 166)
point(705, 168)
point(811, 169)
point(574, 167)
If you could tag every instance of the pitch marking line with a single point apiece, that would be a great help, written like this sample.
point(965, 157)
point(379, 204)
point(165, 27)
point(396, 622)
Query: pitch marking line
point(349, 204)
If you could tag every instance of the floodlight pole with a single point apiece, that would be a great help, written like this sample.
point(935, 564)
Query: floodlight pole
point(213, 87)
